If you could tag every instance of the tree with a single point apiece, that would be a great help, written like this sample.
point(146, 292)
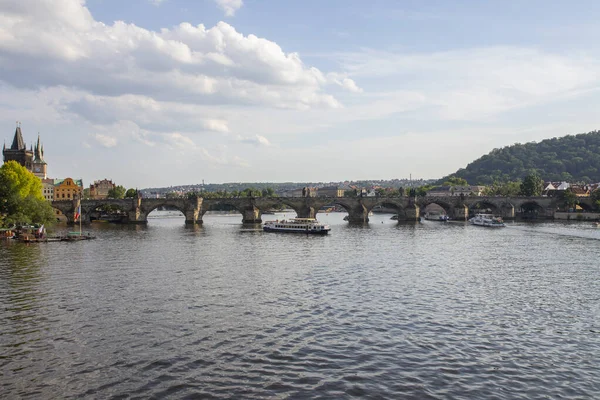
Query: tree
point(569, 198)
point(595, 195)
point(532, 185)
point(118, 192)
point(455, 181)
point(86, 194)
point(503, 189)
point(131, 193)
point(21, 198)
point(268, 192)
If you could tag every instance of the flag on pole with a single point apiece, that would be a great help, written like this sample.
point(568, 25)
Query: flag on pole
point(41, 230)
point(78, 213)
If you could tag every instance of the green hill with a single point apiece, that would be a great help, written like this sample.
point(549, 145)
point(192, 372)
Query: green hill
point(572, 158)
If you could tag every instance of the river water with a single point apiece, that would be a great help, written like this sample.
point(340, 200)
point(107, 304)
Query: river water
point(411, 311)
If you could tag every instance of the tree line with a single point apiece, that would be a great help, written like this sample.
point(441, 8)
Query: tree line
point(572, 158)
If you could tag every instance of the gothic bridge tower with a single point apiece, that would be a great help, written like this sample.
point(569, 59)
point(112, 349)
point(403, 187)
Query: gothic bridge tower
point(18, 151)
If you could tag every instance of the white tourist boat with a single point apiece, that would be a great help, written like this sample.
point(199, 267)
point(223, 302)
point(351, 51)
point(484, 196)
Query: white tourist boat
point(488, 220)
point(296, 225)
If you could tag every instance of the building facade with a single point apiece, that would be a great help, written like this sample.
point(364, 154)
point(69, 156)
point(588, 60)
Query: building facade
point(48, 188)
point(99, 189)
point(67, 189)
point(330, 191)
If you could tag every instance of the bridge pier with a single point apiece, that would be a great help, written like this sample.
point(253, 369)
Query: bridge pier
point(508, 211)
point(358, 214)
point(136, 216)
point(193, 213)
point(460, 213)
point(251, 215)
point(306, 212)
point(412, 213)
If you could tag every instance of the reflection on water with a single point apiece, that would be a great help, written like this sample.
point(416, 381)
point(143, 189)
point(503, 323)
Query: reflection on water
point(384, 310)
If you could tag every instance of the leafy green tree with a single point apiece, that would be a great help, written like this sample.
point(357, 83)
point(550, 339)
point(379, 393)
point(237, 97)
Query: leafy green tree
point(118, 192)
point(421, 191)
point(532, 185)
point(503, 189)
point(86, 194)
point(569, 198)
point(595, 195)
point(131, 193)
point(21, 198)
point(268, 192)
point(455, 181)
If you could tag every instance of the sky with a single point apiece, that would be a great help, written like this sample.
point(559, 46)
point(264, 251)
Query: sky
point(154, 93)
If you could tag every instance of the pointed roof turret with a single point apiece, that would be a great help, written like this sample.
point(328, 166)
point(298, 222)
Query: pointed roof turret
point(38, 155)
point(18, 142)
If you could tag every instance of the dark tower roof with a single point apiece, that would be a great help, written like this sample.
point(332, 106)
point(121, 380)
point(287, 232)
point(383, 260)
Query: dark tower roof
point(18, 142)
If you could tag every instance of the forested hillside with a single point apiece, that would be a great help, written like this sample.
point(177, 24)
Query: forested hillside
point(573, 158)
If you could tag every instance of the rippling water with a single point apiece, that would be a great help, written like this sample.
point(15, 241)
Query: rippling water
point(415, 311)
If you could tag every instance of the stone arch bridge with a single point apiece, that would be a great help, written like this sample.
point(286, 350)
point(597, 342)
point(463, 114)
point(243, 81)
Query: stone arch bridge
point(136, 210)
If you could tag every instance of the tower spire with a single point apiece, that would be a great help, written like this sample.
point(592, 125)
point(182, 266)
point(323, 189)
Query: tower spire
point(18, 142)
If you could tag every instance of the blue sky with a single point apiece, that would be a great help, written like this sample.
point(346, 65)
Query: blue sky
point(157, 93)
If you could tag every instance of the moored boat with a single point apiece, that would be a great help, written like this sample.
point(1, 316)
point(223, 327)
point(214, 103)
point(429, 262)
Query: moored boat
point(297, 225)
point(487, 220)
point(31, 233)
point(7, 233)
point(435, 216)
point(76, 236)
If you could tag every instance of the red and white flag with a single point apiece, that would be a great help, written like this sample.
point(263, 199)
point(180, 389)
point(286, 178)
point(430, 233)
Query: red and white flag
point(78, 213)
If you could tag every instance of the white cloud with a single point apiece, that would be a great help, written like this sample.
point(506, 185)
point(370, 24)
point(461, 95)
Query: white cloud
point(344, 82)
point(222, 159)
point(229, 7)
point(216, 125)
point(104, 140)
point(63, 45)
point(157, 2)
point(470, 84)
point(180, 141)
point(256, 140)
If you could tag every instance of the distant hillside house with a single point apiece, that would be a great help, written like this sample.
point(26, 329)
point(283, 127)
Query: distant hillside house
point(580, 191)
point(67, 189)
point(552, 188)
point(456, 191)
point(99, 189)
point(330, 191)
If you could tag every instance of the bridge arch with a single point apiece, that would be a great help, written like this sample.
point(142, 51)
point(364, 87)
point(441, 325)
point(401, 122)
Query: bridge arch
point(448, 208)
point(250, 212)
point(165, 204)
point(483, 206)
point(531, 210)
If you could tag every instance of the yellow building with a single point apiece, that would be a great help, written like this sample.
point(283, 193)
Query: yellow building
point(67, 189)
